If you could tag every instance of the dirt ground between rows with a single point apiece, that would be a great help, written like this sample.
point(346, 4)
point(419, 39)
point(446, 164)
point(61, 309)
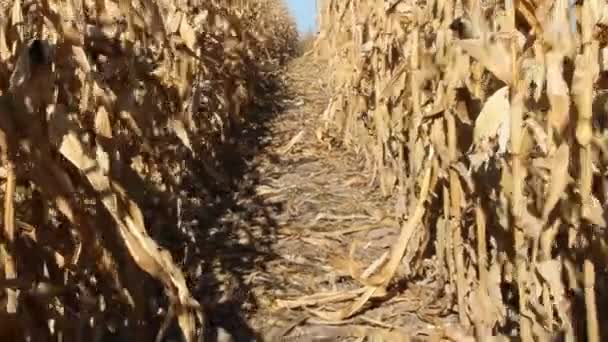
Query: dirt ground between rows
point(301, 202)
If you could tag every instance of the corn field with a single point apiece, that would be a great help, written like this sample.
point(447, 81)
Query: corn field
point(487, 121)
point(104, 107)
point(484, 123)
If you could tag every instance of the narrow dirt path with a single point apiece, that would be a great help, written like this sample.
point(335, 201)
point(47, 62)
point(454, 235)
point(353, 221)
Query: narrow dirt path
point(300, 207)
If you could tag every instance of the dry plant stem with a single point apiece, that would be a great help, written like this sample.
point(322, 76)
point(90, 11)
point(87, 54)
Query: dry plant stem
point(548, 305)
point(538, 190)
point(572, 283)
point(449, 240)
point(546, 242)
point(518, 201)
point(481, 329)
point(9, 232)
point(414, 65)
point(583, 98)
point(78, 102)
point(407, 231)
point(455, 223)
point(593, 331)
point(440, 246)
point(520, 267)
point(586, 179)
point(583, 91)
point(6, 140)
point(482, 248)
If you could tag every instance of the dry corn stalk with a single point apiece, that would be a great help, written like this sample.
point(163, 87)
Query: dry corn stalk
point(96, 99)
point(510, 96)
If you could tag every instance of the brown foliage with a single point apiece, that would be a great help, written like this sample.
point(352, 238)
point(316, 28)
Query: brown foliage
point(96, 99)
point(486, 120)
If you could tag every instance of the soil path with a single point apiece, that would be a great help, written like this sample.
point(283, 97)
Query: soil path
point(300, 206)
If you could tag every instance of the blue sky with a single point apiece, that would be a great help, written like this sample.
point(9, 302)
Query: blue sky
point(304, 11)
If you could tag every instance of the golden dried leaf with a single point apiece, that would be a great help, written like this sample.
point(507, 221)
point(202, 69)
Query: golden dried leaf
point(494, 119)
point(81, 58)
point(551, 272)
point(559, 178)
point(557, 91)
point(17, 17)
point(596, 213)
point(72, 149)
point(4, 50)
point(492, 55)
point(180, 132)
point(187, 33)
point(103, 126)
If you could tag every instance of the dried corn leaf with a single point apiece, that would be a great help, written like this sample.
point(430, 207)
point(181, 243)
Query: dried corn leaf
point(559, 178)
point(494, 119)
point(492, 55)
point(140, 75)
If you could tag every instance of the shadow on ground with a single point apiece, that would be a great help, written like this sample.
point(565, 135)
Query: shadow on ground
point(224, 229)
point(203, 208)
point(238, 230)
